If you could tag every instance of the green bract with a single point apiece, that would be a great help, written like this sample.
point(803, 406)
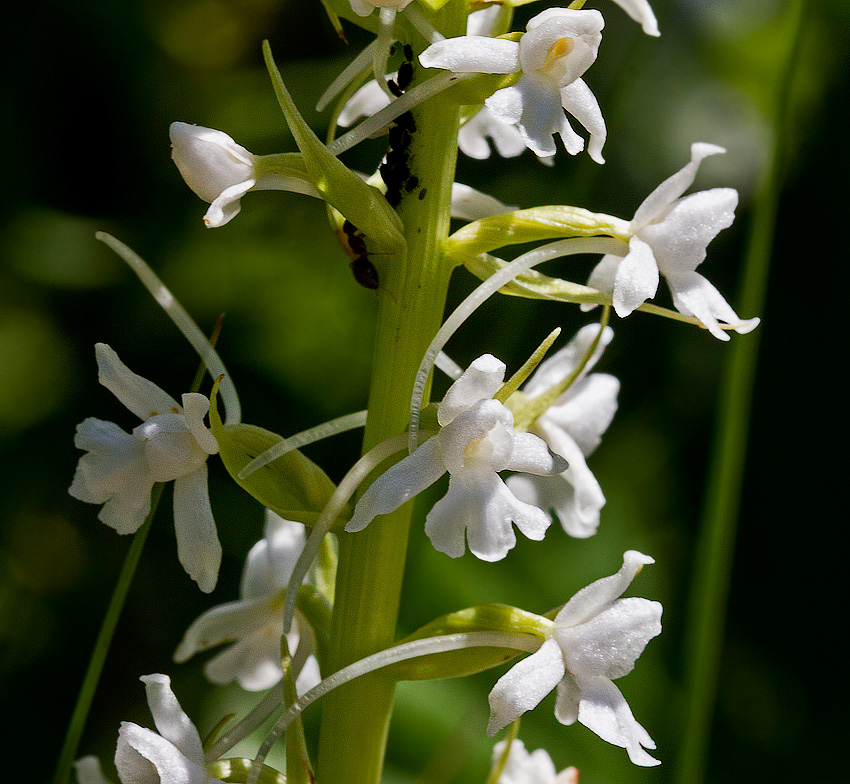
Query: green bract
point(532, 225)
point(292, 485)
point(235, 771)
point(340, 187)
point(467, 661)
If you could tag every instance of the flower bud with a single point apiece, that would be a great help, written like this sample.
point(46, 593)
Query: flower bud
point(215, 167)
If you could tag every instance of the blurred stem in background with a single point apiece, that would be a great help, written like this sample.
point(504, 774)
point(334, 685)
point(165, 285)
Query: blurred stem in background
point(716, 543)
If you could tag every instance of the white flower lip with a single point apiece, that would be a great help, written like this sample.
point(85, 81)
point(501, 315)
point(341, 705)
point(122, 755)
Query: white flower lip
point(670, 236)
point(596, 638)
point(119, 469)
point(476, 441)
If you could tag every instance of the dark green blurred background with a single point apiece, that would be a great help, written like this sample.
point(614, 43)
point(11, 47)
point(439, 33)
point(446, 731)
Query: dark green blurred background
point(89, 89)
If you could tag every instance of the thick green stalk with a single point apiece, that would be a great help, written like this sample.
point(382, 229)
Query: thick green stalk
point(715, 548)
point(412, 295)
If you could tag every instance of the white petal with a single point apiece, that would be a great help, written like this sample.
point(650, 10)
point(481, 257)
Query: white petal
point(525, 685)
point(254, 661)
point(368, 100)
point(641, 12)
point(170, 449)
point(473, 54)
point(470, 204)
point(144, 398)
point(472, 138)
point(693, 295)
point(609, 643)
point(285, 540)
point(88, 771)
point(562, 363)
point(656, 205)
point(585, 411)
point(578, 99)
point(169, 718)
point(226, 206)
point(480, 381)
point(530, 455)
point(679, 242)
point(198, 548)
point(403, 481)
point(506, 105)
point(223, 623)
point(567, 700)
point(603, 275)
point(143, 757)
point(578, 509)
point(195, 408)
point(595, 597)
point(636, 279)
point(523, 767)
point(604, 710)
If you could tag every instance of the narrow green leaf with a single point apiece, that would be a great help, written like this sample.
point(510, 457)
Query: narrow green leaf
point(362, 204)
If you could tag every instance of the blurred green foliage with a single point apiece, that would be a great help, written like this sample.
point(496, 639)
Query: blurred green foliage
point(90, 90)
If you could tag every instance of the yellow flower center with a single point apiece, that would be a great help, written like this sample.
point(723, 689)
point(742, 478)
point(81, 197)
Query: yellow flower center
point(561, 48)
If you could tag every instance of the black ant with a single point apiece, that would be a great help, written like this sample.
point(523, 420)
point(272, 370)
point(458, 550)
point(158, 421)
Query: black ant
point(354, 244)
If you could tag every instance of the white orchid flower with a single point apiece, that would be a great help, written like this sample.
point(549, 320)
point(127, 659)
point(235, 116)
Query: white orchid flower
point(88, 771)
point(173, 754)
point(596, 637)
point(524, 767)
point(221, 171)
point(641, 12)
point(476, 440)
point(669, 235)
point(119, 469)
point(558, 47)
point(572, 427)
point(255, 621)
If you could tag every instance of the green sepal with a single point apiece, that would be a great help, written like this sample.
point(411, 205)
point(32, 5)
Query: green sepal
point(292, 485)
point(532, 225)
point(468, 661)
point(340, 187)
point(317, 610)
point(236, 769)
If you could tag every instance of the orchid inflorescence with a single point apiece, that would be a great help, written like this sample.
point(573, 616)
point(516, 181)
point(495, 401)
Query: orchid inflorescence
point(515, 447)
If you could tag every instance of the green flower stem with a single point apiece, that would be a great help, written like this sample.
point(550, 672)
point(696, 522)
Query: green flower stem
point(412, 294)
point(715, 548)
point(101, 647)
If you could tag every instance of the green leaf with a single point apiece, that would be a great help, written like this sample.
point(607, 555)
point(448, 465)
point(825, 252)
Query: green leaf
point(467, 661)
point(292, 485)
point(236, 769)
point(340, 187)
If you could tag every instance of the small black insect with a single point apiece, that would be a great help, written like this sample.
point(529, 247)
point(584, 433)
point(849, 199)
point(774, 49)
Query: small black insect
point(354, 244)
